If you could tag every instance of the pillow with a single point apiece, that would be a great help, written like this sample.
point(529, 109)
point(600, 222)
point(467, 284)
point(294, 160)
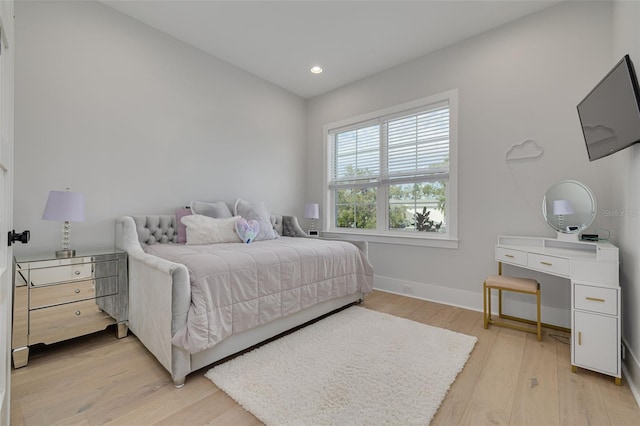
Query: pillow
point(216, 210)
point(247, 229)
point(207, 230)
point(259, 212)
point(182, 228)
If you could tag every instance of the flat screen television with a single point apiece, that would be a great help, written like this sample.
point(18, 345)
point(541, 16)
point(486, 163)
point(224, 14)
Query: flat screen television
point(610, 113)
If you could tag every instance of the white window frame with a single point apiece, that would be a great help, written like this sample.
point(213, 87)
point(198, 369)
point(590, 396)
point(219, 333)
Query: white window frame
point(381, 234)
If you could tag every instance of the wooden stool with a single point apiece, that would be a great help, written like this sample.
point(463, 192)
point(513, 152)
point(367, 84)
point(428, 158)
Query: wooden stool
point(519, 285)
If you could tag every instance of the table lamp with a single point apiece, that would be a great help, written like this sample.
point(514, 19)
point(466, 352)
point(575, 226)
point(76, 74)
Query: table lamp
point(68, 207)
point(312, 212)
point(561, 208)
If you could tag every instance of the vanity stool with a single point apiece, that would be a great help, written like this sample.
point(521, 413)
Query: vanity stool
point(518, 285)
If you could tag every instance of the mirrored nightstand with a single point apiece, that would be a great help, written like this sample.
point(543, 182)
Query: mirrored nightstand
point(58, 299)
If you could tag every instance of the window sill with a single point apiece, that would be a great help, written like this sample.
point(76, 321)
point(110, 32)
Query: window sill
point(405, 240)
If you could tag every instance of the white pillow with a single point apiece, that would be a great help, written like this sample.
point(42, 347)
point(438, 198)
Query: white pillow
point(216, 210)
point(261, 213)
point(206, 230)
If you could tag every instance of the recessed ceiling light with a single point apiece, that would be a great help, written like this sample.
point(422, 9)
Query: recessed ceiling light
point(316, 69)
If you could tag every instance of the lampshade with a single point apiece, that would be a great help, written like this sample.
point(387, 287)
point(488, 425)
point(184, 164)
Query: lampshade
point(562, 207)
point(311, 211)
point(64, 206)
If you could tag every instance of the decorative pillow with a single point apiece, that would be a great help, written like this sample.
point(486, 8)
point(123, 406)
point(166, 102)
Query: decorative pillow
point(182, 229)
point(247, 229)
point(260, 212)
point(216, 210)
point(207, 230)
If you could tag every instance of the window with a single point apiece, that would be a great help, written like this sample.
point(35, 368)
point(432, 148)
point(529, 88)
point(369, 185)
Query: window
point(392, 173)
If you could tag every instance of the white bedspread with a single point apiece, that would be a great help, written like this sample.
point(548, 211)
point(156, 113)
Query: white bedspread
point(236, 286)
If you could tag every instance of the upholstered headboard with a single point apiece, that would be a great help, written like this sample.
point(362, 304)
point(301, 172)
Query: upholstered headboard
point(162, 229)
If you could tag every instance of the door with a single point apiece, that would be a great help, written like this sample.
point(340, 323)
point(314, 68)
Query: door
point(596, 342)
point(6, 203)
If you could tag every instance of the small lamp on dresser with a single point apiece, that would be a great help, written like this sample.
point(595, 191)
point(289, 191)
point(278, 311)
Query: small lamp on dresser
point(311, 211)
point(65, 206)
point(560, 209)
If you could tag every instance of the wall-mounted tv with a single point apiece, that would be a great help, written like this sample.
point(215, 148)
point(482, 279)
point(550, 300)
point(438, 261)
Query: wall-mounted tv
point(610, 113)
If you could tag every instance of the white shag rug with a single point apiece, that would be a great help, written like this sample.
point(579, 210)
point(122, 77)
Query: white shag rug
point(356, 367)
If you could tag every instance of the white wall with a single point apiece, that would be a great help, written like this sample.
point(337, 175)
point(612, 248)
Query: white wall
point(626, 199)
point(521, 81)
point(141, 123)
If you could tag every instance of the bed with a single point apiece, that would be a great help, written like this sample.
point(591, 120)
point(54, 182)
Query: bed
point(189, 316)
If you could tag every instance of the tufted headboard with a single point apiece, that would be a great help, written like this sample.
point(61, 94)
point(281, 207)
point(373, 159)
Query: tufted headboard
point(162, 229)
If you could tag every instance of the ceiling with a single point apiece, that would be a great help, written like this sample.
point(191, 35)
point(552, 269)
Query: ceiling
point(280, 41)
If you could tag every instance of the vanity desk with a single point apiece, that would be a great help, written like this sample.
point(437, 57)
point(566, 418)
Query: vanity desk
point(592, 268)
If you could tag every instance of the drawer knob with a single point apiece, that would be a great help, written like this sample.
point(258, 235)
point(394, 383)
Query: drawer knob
point(76, 291)
point(77, 313)
point(595, 299)
point(509, 256)
point(77, 272)
point(547, 263)
point(579, 338)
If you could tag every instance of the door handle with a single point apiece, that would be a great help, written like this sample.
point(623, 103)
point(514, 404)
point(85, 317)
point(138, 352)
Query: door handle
point(22, 237)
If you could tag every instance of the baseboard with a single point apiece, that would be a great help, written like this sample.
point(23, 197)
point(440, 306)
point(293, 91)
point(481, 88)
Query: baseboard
point(631, 371)
point(470, 299)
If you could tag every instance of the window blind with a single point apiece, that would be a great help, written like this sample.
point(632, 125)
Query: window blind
point(356, 157)
point(418, 147)
point(396, 149)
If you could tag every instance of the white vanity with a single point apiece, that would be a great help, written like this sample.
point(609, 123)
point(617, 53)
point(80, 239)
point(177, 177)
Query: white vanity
point(591, 267)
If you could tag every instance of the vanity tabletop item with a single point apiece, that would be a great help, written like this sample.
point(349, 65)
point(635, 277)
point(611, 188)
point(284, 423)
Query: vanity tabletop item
point(57, 299)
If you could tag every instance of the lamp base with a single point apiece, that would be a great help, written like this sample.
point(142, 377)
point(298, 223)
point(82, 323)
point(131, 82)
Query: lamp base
point(65, 253)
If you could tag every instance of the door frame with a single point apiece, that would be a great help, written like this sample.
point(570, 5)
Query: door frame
point(6, 202)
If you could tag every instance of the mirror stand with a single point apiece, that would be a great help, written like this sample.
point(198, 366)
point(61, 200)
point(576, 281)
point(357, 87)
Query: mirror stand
point(563, 236)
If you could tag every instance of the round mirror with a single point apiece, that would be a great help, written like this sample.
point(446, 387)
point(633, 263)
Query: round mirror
point(569, 207)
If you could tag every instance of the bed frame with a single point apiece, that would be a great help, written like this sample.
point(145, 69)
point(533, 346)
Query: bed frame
point(160, 296)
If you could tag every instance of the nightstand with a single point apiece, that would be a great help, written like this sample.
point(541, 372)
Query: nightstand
point(58, 299)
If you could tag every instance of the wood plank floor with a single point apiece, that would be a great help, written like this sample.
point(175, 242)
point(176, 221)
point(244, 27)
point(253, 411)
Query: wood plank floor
point(510, 378)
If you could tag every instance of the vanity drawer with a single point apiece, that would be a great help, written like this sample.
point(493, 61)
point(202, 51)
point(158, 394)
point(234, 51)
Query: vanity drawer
point(61, 322)
point(549, 264)
point(595, 299)
point(516, 257)
point(41, 297)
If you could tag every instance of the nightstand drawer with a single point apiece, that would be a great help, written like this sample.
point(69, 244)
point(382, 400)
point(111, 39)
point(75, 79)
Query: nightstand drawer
point(41, 297)
point(549, 264)
point(595, 299)
point(511, 256)
point(61, 322)
point(40, 276)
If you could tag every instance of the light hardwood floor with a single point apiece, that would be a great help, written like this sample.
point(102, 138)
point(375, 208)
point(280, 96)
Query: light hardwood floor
point(510, 378)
